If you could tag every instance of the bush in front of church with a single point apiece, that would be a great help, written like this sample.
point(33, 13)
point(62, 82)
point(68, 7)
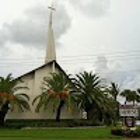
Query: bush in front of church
point(126, 133)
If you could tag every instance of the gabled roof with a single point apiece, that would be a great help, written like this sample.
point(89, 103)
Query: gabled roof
point(44, 65)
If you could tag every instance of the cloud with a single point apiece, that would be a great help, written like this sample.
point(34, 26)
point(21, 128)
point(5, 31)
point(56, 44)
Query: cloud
point(114, 72)
point(24, 39)
point(92, 8)
point(31, 29)
point(101, 64)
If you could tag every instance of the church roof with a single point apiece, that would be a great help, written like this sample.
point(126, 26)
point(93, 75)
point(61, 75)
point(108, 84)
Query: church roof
point(42, 66)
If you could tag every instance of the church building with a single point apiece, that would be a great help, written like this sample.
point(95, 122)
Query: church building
point(33, 80)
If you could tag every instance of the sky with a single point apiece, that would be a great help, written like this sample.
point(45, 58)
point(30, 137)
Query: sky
point(93, 35)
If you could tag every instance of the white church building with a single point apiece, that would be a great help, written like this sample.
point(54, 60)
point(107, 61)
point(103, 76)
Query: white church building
point(33, 80)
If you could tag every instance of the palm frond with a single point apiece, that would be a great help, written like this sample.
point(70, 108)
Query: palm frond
point(54, 90)
point(8, 86)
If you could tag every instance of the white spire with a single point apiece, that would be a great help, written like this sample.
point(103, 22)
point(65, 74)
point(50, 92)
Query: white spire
point(50, 54)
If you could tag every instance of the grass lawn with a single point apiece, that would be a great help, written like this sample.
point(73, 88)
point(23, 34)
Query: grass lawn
point(58, 134)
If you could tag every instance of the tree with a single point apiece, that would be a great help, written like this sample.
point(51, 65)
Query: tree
point(103, 112)
point(56, 90)
point(113, 90)
point(108, 110)
point(131, 96)
point(8, 98)
point(138, 95)
point(89, 85)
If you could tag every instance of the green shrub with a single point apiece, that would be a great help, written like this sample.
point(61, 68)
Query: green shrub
point(118, 132)
point(126, 133)
point(50, 123)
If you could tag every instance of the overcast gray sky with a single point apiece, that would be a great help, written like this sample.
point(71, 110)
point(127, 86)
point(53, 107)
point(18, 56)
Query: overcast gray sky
point(98, 35)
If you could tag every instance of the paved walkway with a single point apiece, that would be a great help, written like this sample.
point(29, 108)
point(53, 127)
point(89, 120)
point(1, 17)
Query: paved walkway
point(87, 127)
point(132, 139)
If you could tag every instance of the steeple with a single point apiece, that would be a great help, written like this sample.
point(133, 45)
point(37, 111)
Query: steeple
point(50, 54)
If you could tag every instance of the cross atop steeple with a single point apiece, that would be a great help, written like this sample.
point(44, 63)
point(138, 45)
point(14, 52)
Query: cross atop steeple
point(51, 9)
point(50, 54)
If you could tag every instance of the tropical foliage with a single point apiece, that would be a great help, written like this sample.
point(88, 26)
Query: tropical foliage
point(8, 100)
point(130, 95)
point(92, 98)
point(88, 85)
point(56, 92)
point(114, 91)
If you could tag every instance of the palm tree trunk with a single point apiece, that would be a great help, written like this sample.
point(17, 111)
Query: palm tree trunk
point(59, 110)
point(3, 113)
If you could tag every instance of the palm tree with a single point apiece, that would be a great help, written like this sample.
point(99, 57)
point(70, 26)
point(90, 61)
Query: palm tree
point(56, 90)
point(138, 95)
point(89, 85)
point(107, 109)
point(114, 90)
point(8, 98)
point(103, 112)
point(131, 96)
